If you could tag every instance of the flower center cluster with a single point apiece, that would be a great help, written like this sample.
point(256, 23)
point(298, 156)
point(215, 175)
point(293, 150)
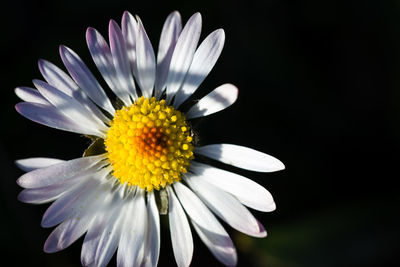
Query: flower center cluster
point(149, 144)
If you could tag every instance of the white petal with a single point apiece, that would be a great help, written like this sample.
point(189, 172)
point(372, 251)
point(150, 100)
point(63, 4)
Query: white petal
point(245, 190)
point(121, 63)
point(85, 79)
point(129, 31)
point(70, 107)
point(225, 206)
point(75, 200)
point(241, 157)
point(181, 236)
point(210, 228)
point(169, 35)
point(48, 193)
point(31, 164)
point(219, 99)
point(76, 224)
point(61, 81)
point(152, 250)
point(203, 61)
point(57, 172)
point(146, 62)
point(183, 54)
point(132, 238)
point(221, 246)
point(102, 56)
point(30, 95)
point(51, 117)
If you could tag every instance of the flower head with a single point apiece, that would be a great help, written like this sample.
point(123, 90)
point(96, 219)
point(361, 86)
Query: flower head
point(142, 151)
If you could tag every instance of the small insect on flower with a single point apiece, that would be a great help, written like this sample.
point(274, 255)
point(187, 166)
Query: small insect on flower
point(143, 161)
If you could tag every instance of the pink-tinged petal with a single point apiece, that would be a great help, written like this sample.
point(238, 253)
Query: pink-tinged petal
point(70, 107)
point(61, 81)
point(203, 61)
point(145, 61)
point(241, 157)
point(245, 190)
point(85, 79)
point(121, 63)
point(211, 231)
point(169, 35)
point(48, 115)
point(225, 206)
point(31, 164)
point(59, 172)
point(181, 235)
point(219, 99)
point(30, 95)
point(129, 31)
point(183, 55)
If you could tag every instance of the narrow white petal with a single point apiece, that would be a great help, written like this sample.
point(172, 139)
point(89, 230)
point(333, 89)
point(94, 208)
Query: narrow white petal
point(241, 157)
point(85, 79)
point(219, 99)
point(226, 206)
point(245, 190)
point(129, 31)
point(31, 164)
point(103, 59)
point(217, 239)
point(121, 63)
point(57, 172)
point(181, 235)
point(183, 54)
point(61, 81)
point(221, 246)
point(152, 249)
point(132, 238)
point(76, 224)
point(70, 107)
point(169, 35)
point(203, 61)
point(48, 115)
point(146, 62)
point(77, 199)
point(30, 95)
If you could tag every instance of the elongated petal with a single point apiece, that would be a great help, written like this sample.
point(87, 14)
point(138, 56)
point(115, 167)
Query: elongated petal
point(51, 117)
point(183, 54)
point(103, 59)
point(57, 172)
point(75, 200)
point(181, 236)
point(70, 107)
point(221, 246)
point(31, 164)
point(203, 61)
point(121, 63)
point(241, 157)
point(135, 226)
point(146, 62)
point(152, 249)
point(245, 190)
point(219, 99)
point(30, 95)
point(208, 225)
point(129, 31)
point(225, 206)
point(61, 81)
point(85, 79)
point(169, 35)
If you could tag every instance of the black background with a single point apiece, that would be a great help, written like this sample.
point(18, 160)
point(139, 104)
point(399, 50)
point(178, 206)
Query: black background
point(319, 89)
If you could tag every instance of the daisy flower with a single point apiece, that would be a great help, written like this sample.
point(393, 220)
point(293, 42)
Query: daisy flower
point(143, 160)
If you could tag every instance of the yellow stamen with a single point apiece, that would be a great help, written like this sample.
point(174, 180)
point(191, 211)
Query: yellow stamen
point(149, 144)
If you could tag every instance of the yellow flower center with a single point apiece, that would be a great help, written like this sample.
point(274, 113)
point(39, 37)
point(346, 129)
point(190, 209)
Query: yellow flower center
point(149, 144)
